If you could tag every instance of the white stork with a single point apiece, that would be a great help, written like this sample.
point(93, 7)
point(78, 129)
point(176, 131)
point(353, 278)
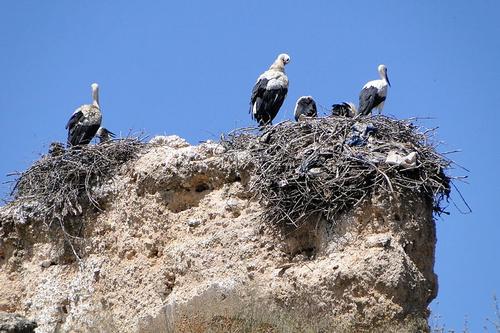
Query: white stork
point(85, 121)
point(305, 106)
point(344, 109)
point(374, 93)
point(104, 134)
point(270, 91)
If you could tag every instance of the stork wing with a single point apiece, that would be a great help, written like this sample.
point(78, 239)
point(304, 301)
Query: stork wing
point(75, 118)
point(268, 105)
point(367, 100)
point(78, 131)
point(258, 91)
point(81, 134)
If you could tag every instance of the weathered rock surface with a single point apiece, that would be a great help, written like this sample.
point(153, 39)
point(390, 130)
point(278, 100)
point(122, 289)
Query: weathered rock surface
point(178, 244)
point(14, 323)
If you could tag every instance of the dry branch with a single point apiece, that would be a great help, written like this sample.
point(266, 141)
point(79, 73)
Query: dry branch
point(61, 183)
point(317, 166)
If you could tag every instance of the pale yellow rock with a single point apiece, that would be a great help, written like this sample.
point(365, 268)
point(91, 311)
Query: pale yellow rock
point(144, 266)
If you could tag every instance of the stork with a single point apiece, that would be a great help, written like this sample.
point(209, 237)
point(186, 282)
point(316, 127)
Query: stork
point(104, 135)
point(270, 91)
point(85, 121)
point(305, 107)
point(344, 109)
point(374, 93)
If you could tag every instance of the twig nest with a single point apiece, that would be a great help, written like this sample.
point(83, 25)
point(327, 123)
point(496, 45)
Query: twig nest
point(327, 166)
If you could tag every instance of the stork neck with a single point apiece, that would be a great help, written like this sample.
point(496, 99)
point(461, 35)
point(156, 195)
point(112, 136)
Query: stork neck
point(383, 77)
point(277, 66)
point(95, 98)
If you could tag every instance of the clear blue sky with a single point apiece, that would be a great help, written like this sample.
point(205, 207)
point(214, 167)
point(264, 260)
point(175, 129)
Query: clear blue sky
point(188, 68)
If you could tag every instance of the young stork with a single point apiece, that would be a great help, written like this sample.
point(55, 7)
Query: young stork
point(85, 121)
point(270, 91)
point(104, 135)
point(344, 109)
point(374, 93)
point(305, 107)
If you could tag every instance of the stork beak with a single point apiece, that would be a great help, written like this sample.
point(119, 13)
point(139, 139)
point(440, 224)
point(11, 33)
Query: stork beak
point(387, 79)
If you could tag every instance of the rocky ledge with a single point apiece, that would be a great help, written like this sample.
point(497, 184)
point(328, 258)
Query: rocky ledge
point(176, 242)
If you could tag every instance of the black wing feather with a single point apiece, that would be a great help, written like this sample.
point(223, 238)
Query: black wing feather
point(79, 134)
point(258, 90)
point(368, 100)
point(75, 118)
point(268, 105)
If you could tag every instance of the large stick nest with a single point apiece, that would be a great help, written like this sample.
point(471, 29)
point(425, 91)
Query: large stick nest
point(329, 165)
point(62, 182)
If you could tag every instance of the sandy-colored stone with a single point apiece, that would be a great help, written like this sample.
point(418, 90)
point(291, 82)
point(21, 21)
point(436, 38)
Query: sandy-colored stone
point(14, 323)
point(144, 263)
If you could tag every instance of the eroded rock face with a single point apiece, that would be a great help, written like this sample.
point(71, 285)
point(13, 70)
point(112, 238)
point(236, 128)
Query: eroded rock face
point(179, 244)
point(14, 323)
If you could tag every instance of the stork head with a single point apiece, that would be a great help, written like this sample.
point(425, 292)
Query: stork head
point(95, 94)
point(306, 100)
point(104, 134)
point(382, 70)
point(284, 58)
point(280, 62)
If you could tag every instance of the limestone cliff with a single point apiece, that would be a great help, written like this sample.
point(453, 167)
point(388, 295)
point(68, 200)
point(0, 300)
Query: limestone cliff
point(176, 243)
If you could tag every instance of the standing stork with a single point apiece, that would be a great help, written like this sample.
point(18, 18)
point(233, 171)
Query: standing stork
point(270, 91)
point(374, 93)
point(85, 121)
point(305, 107)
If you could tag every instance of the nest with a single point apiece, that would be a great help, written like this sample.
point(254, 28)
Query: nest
point(329, 165)
point(61, 183)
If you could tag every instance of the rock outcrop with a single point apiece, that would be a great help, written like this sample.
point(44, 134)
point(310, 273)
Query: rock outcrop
point(178, 244)
point(14, 323)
